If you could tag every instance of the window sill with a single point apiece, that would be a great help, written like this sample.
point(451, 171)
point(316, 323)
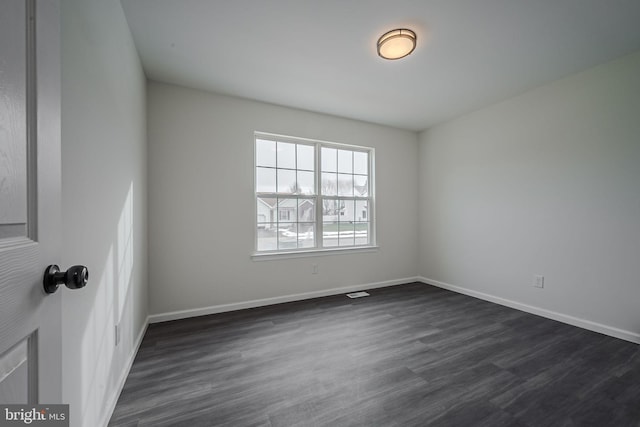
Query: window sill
point(268, 256)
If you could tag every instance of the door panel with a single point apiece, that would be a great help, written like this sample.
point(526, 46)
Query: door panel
point(30, 337)
point(13, 134)
point(16, 367)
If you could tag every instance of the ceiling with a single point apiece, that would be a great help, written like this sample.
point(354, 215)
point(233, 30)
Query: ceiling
point(320, 55)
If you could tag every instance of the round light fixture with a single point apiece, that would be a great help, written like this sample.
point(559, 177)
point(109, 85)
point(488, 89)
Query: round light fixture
point(396, 44)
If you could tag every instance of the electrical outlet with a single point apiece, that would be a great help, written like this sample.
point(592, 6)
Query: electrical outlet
point(117, 335)
point(314, 269)
point(538, 281)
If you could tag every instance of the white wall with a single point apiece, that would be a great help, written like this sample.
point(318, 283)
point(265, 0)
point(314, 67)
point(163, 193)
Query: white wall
point(202, 209)
point(545, 183)
point(104, 203)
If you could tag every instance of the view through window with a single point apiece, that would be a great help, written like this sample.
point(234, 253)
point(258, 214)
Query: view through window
point(311, 194)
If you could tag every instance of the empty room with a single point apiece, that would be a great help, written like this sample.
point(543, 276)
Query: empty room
point(319, 213)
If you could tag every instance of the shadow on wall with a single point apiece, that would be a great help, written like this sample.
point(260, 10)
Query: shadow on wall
point(101, 357)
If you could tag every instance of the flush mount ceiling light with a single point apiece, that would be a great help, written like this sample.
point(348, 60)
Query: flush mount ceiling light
point(396, 44)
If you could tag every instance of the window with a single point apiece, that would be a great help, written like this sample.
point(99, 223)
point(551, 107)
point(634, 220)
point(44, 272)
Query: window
point(312, 195)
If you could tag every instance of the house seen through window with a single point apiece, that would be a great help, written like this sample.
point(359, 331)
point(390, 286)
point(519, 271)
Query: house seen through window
point(311, 194)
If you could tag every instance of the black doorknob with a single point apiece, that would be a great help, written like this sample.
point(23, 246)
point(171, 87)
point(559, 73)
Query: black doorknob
point(75, 277)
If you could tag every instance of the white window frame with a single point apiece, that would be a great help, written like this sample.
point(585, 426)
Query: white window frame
point(318, 198)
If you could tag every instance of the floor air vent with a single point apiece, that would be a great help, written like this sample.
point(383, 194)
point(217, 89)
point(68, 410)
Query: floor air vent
point(357, 294)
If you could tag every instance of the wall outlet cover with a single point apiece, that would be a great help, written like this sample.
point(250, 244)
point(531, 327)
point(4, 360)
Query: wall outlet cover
point(538, 281)
point(117, 335)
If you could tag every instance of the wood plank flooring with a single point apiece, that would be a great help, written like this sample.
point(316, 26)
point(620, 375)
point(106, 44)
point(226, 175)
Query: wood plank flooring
point(410, 355)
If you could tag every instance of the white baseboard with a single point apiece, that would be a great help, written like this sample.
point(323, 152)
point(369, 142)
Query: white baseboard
point(111, 404)
point(183, 314)
point(560, 317)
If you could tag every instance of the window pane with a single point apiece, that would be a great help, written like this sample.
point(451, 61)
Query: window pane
point(361, 185)
point(329, 211)
point(306, 210)
point(265, 153)
point(329, 234)
point(266, 208)
point(361, 163)
point(362, 210)
point(287, 235)
point(362, 233)
point(345, 185)
point(345, 161)
point(306, 235)
point(346, 210)
point(305, 182)
point(287, 210)
point(345, 237)
point(329, 184)
point(286, 181)
point(265, 180)
point(329, 160)
point(286, 155)
point(306, 157)
point(267, 237)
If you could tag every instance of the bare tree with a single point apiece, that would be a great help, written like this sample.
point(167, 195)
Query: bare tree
point(295, 188)
point(328, 206)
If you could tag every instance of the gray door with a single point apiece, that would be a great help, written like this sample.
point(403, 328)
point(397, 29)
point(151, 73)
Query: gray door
point(30, 336)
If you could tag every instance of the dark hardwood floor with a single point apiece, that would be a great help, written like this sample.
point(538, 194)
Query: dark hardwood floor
point(410, 355)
